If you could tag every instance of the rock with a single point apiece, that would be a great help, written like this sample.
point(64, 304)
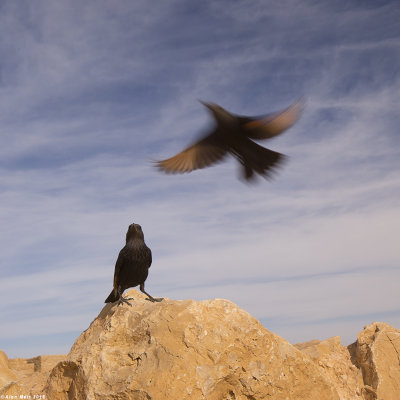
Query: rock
point(25, 367)
point(335, 360)
point(9, 379)
point(29, 375)
point(377, 353)
point(368, 369)
point(210, 350)
point(6, 374)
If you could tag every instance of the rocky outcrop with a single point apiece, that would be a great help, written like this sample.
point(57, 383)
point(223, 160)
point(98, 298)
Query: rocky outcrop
point(377, 353)
point(209, 350)
point(368, 369)
point(29, 375)
point(25, 367)
point(7, 375)
point(335, 362)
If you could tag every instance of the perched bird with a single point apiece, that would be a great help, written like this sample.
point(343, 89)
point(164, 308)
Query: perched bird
point(232, 134)
point(132, 266)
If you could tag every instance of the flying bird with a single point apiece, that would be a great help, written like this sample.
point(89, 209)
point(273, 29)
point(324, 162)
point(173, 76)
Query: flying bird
point(233, 135)
point(132, 266)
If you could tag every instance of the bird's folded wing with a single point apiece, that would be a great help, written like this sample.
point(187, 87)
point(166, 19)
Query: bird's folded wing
point(271, 125)
point(201, 154)
point(119, 266)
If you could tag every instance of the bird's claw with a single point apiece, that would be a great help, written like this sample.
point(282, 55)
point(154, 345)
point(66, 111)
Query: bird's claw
point(122, 300)
point(155, 299)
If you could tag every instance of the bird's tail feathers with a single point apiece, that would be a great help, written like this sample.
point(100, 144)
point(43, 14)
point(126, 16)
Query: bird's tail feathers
point(260, 160)
point(112, 297)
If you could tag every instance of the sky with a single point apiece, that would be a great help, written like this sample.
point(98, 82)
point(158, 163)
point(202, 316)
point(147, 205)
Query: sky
point(91, 92)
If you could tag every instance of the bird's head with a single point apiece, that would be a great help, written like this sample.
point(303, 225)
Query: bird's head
point(134, 232)
point(219, 113)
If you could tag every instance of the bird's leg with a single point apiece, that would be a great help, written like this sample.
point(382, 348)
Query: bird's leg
point(120, 294)
point(149, 298)
point(121, 299)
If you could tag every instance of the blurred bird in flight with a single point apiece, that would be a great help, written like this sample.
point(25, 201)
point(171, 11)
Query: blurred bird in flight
point(233, 134)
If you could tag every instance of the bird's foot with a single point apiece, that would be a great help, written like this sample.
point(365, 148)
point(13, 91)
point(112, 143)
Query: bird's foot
point(154, 299)
point(122, 300)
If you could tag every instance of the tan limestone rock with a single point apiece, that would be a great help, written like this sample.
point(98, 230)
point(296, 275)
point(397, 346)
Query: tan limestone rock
point(22, 366)
point(205, 350)
point(368, 369)
point(335, 360)
point(210, 350)
point(29, 375)
point(377, 352)
point(8, 379)
point(6, 374)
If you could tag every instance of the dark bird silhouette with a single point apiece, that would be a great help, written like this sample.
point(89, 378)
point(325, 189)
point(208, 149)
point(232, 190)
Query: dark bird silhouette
point(132, 266)
point(232, 134)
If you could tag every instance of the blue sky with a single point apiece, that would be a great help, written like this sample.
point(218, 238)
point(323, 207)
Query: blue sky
point(91, 92)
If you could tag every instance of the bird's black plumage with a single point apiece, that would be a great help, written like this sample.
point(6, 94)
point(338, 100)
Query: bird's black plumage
point(233, 134)
point(132, 266)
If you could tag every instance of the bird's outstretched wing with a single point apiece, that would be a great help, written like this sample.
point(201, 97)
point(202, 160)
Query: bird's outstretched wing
point(205, 152)
point(268, 126)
